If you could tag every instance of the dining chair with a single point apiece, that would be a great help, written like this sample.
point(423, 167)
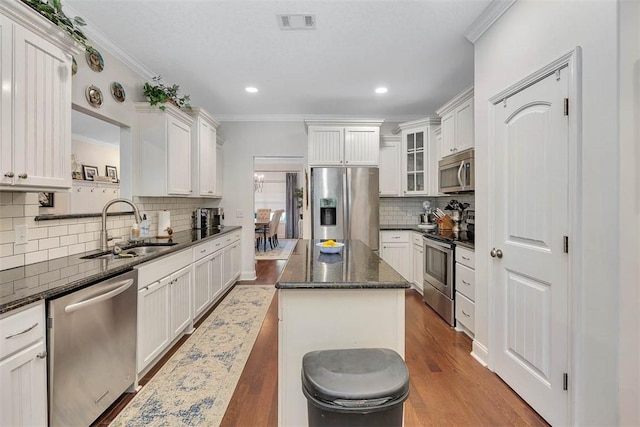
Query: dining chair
point(263, 217)
point(272, 233)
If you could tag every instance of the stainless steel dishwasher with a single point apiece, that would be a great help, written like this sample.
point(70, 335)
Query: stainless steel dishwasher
point(92, 348)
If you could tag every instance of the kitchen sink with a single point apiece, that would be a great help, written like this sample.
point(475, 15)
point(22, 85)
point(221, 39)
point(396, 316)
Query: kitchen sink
point(133, 251)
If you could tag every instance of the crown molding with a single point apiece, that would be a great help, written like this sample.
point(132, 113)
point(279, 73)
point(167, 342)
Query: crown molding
point(95, 35)
point(487, 18)
point(302, 117)
point(198, 112)
point(146, 108)
point(38, 24)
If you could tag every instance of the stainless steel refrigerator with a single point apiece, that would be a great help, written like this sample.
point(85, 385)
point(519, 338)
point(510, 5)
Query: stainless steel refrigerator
point(345, 204)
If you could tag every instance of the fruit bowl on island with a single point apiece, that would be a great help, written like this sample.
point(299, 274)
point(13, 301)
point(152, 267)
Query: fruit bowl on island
point(330, 247)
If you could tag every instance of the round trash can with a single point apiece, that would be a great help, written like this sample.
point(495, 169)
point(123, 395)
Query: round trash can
point(355, 387)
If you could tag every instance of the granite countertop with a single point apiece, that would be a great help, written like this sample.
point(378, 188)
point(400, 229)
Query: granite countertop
point(23, 285)
point(414, 227)
point(355, 267)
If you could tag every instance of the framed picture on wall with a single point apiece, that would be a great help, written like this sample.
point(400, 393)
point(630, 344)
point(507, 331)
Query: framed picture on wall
point(89, 172)
point(112, 172)
point(45, 200)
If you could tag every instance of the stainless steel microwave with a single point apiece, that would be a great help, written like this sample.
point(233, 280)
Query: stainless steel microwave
point(456, 173)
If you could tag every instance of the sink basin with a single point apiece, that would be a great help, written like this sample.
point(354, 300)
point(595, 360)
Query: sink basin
point(132, 252)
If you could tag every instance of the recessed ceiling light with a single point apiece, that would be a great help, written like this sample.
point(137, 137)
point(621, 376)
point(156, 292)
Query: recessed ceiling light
point(251, 89)
point(381, 90)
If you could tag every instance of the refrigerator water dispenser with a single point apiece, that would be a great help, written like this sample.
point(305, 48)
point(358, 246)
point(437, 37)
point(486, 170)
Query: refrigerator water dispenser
point(328, 216)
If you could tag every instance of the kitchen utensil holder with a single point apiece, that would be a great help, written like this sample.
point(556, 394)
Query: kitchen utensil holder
point(445, 223)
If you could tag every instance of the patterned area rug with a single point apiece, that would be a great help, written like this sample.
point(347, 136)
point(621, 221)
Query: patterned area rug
point(282, 251)
point(195, 385)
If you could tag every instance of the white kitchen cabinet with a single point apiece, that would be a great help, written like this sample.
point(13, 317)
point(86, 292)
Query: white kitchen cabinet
point(344, 142)
point(35, 69)
point(418, 161)
point(154, 334)
point(395, 249)
point(204, 149)
point(180, 301)
point(23, 368)
point(457, 123)
point(163, 151)
point(216, 276)
point(201, 285)
point(418, 260)
point(465, 290)
point(219, 163)
point(389, 165)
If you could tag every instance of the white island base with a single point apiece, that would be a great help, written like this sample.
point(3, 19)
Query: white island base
point(330, 318)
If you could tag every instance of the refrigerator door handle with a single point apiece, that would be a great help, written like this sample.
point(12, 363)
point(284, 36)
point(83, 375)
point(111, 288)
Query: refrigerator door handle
point(346, 185)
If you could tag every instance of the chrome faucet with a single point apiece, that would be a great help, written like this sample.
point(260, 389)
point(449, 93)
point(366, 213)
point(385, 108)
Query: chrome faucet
point(104, 238)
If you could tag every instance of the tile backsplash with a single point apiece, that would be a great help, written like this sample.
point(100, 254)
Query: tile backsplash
point(57, 238)
point(406, 211)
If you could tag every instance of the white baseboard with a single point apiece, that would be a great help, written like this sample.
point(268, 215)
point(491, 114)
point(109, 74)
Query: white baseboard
point(480, 353)
point(248, 275)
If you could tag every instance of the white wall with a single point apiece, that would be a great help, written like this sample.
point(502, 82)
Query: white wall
point(528, 36)
point(629, 178)
point(243, 142)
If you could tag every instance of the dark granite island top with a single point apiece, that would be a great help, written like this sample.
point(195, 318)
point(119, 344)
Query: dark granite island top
point(355, 267)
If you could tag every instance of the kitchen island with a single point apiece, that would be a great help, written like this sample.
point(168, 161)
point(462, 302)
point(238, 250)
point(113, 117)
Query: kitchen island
point(353, 299)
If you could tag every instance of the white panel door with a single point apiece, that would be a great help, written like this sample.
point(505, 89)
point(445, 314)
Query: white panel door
point(201, 285)
point(219, 171)
point(326, 146)
point(180, 301)
point(448, 131)
point(178, 157)
point(464, 126)
point(23, 395)
point(398, 256)
point(207, 160)
point(216, 275)
point(6, 140)
point(153, 321)
point(227, 266)
point(531, 272)
point(361, 146)
point(389, 165)
point(42, 117)
point(418, 265)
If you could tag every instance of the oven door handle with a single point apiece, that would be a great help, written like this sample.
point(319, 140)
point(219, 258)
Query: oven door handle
point(436, 244)
point(121, 287)
point(460, 175)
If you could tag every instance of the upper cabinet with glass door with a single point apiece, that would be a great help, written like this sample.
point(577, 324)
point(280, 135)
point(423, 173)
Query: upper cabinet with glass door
point(419, 157)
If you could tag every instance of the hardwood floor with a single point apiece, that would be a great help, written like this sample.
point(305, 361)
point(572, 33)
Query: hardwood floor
point(448, 387)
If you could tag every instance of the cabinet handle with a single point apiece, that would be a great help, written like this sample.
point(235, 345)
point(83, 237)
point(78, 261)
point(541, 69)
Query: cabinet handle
point(23, 176)
point(465, 258)
point(210, 192)
point(41, 355)
point(465, 314)
point(466, 283)
point(21, 333)
point(9, 175)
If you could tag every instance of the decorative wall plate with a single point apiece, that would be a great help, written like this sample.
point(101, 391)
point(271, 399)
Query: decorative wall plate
point(94, 96)
point(74, 66)
point(118, 92)
point(94, 59)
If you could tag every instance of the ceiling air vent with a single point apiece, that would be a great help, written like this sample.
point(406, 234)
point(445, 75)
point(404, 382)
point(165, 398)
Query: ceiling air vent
point(297, 22)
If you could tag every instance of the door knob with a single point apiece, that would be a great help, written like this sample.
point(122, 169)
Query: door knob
point(23, 176)
point(496, 253)
point(9, 175)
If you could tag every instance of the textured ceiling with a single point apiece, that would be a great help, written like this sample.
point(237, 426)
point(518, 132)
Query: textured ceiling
point(214, 49)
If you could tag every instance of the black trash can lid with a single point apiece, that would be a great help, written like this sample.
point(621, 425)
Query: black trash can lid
point(360, 374)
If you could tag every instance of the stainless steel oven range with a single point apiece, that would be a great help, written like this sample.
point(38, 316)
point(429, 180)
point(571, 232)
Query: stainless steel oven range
point(438, 280)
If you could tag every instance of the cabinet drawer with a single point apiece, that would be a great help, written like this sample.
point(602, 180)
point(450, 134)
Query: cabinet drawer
point(466, 256)
point(465, 312)
point(20, 329)
point(394, 237)
point(201, 251)
point(153, 271)
point(466, 281)
point(417, 238)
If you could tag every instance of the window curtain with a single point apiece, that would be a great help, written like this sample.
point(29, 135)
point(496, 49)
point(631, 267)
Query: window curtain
point(291, 206)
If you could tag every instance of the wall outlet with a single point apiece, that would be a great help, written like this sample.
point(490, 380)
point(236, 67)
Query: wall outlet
point(239, 213)
point(21, 237)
